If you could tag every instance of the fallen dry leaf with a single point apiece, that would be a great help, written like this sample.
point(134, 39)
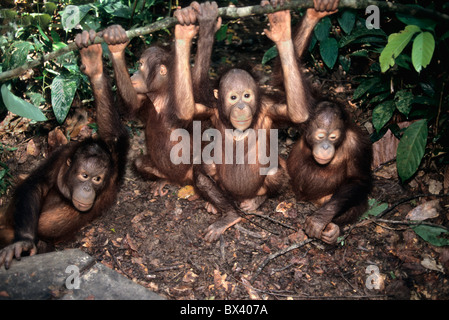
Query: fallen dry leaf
point(4, 294)
point(379, 230)
point(130, 243)
point(21, 155)
point(137, 260)
point(283, 207)
point(189, 277)
point(424, 211)
point(297, 236)
point(32, 148)
point(56, 138)
point(253, 295)
point(138, 217)
point(431, 264)
point(76, 122)
point(220, 281)
point(435, 186)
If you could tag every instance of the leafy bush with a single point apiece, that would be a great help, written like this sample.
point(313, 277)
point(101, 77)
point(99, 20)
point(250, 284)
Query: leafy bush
point(5, 176)
point(31, 29)
point(402, 88)
point(27, 35)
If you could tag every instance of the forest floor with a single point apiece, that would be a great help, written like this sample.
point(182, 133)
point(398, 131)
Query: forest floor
point(159, 243)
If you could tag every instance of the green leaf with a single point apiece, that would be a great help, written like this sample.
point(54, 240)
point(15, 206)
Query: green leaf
point(36, 98)
point(90, 22)
point(360, 53)
point(49, 7)
point(425, 101)
point(432, 234)
point(361, 33)
point(21, 107)
point(41, 19)
point(364, 86)
point(382, 114)
point(270, 54)
point(404, 61)
point(428, 88)
point(116, 8)
point(423, 23)
point(8, 14)
point(72, 15)
point(329, 51)
point(323, 28)
point(220, 35)
point(63, 90)
point(347, 21)
point(403, 100)
point(411, 149)
point(379, 98)
point(396, 43)
point(313, 42)
point(345, 62)
point(422, 51)
point(17, 54)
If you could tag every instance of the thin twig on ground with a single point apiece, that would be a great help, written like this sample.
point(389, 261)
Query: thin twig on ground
point(273, 256)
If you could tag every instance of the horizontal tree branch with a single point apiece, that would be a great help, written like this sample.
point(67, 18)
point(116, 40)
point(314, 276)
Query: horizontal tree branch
point(233, 13)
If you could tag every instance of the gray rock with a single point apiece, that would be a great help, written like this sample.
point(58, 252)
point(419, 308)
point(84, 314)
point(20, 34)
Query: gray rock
point(102, 283)
point(67, 274)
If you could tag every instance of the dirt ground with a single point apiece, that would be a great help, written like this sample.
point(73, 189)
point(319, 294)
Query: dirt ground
point(159, 243)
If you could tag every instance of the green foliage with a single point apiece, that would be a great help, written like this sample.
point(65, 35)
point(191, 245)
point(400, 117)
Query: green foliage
point(398, 85)
point(375, 208)
point(16, 54)
point(329, 51)
point(270, 54)
point(411, 149)
point(347, 21)
point(20, 107)
point(396, 43)
point(5, 176)
point(422, 50)
point(394, 83)
point(63, 90)
point(403, 100)
point(433, 234)
point(382, 113)
point(46, 27)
